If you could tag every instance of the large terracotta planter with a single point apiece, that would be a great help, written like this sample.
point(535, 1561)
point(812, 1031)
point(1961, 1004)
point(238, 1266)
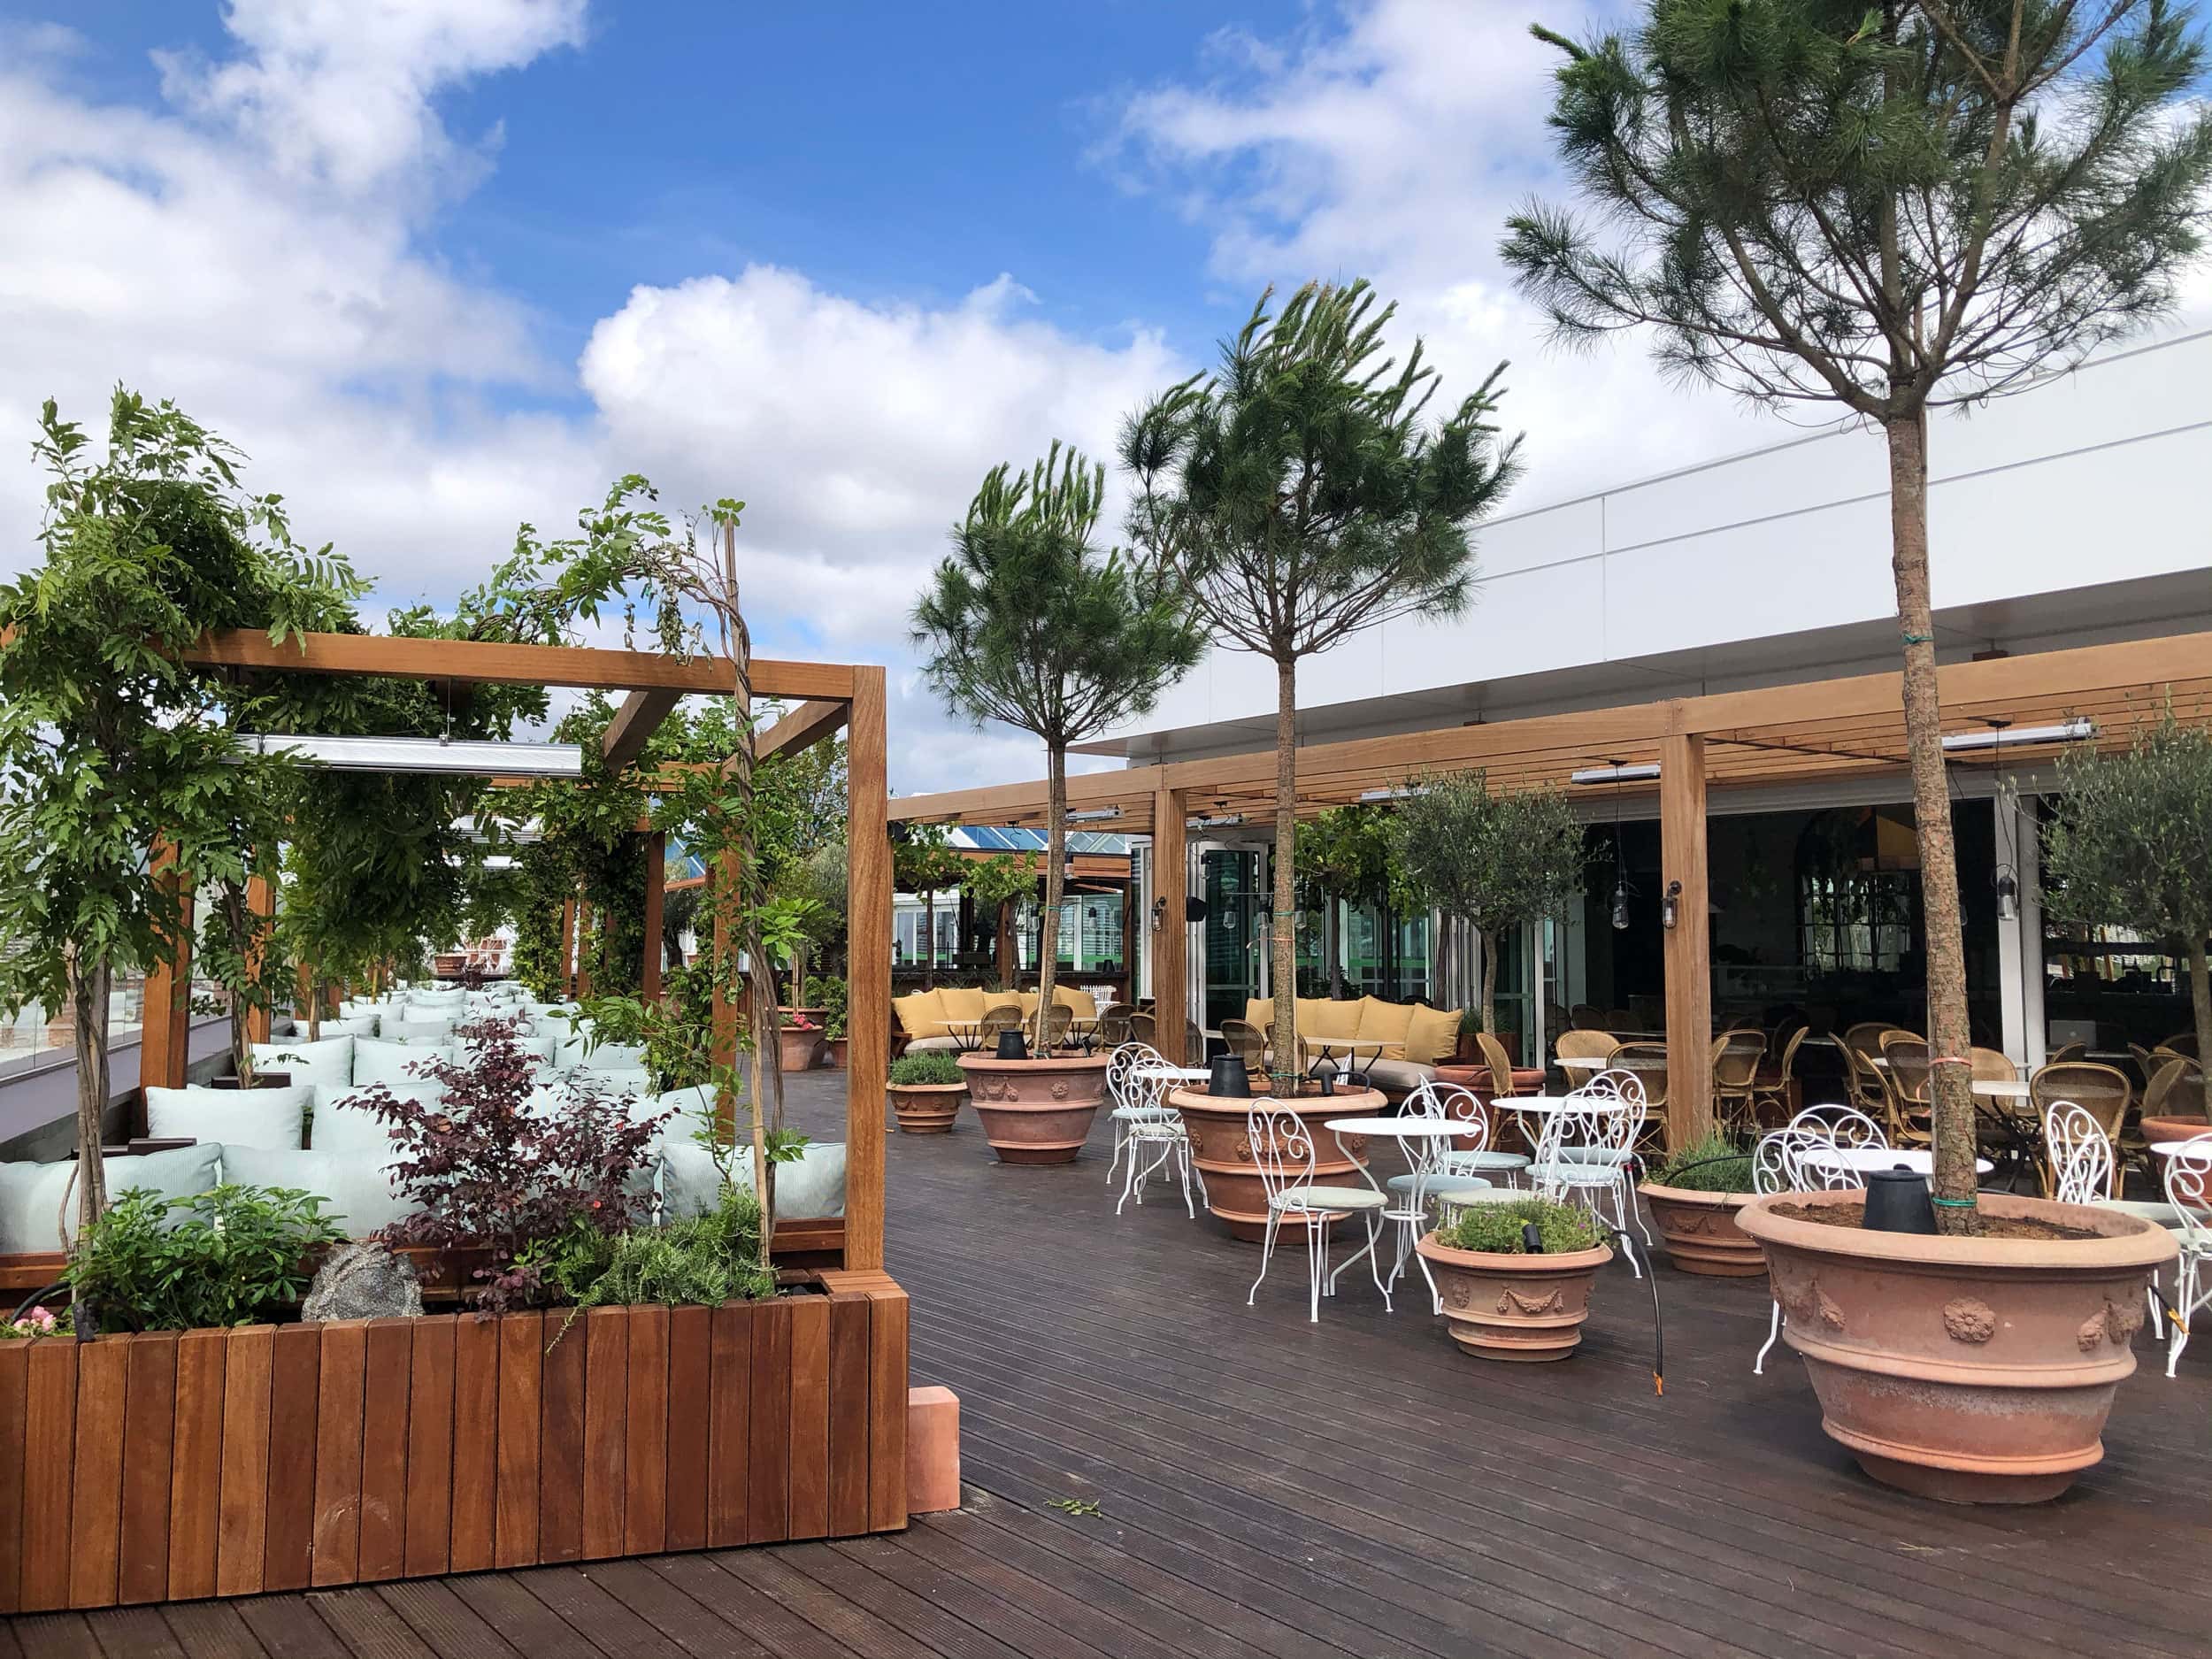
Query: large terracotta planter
point(1702, 1233)
point(799, 1047)
point(1223, 1153)
point(1975, 1371)
point(1036, 1112)
point(1514, 1307)
point(2156, 1130)
point(927, 1109)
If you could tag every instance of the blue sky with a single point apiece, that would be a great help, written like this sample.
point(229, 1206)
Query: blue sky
point(442, 266)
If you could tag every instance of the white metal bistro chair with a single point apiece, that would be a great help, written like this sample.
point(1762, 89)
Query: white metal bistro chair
point(1586, 1153)
point(2189, 1189)
point(1437, 1174)
point(1842, 1125)
point(2085, 1169)
point(1788, 1161)
point(1155, 1137)
point(1128, 1101)
point(1282, 1156)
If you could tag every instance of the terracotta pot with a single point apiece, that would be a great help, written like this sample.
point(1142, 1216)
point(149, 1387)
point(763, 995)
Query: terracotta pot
point(1702, 1233)
point(1974, 1371)
point(1514, 1307)
point(799, 1047)
point(1224, 1155)
point(927, 1109)
point(2174, 1128)
point(836, 1047)
point(1036, 1112)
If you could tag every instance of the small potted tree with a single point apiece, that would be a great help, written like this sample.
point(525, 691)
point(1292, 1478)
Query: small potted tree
point(1028, 623)
point(925, 1091)
point(1694, 1197)
point(1505, 1299)
point(834, 992)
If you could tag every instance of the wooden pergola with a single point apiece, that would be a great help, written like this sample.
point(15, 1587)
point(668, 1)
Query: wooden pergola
point(824, 698)
point(1807, 732)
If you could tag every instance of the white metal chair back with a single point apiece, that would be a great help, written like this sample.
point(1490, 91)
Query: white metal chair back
point(1845, 1126)
point(1463, 1107)
point(1423, 1153)
point(1600, 1118)
point(2189, 1190)
point(1282, 1151)
point(2082, 1164)
point(1122, 1068)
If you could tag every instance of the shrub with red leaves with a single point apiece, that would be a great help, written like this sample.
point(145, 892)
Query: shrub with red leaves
point(490, 1172)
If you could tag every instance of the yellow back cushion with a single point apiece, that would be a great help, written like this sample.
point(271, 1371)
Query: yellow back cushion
point(1082, 1004)
point(1321, 1016)
point(1260, 1010)
point(962, 1001)
point(1384, 1022)
point(1028, 1001)
point(921, 1014)
point(1432, 1035)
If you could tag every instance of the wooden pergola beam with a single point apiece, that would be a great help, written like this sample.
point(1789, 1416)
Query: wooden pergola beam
point(634, 725)
point(800, 728)
point(476, 662)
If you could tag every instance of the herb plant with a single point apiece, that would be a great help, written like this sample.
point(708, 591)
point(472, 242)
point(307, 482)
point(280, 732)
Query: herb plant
point(1715, 1165)
point(231, 1256)
point(1496, 1229)
point(930, 1066)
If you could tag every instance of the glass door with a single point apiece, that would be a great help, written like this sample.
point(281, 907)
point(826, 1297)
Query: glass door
point(1230, 957)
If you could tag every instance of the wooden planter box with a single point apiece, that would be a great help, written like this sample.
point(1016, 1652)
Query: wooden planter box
point(170, 1466)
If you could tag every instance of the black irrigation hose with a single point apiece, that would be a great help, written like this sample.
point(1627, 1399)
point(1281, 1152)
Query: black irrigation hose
point(1533, 1241)
point(36, 1297)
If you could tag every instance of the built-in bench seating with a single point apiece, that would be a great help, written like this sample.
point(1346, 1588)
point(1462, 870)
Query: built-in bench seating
point(1416, 1038)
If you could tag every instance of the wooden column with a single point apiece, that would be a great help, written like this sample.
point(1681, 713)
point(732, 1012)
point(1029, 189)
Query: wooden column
point(656, 886)
point(868, 967)
point(1170, 893)
point(165, 1017)
point(1129, 938)
point(1689, 956)
point(260, 902)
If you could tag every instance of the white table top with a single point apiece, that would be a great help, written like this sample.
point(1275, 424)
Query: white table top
point(1562, 1104)
point(2172, 1149)
point(1997, 1088)
point(1344, 1042)
point(1403, 1128)
point(1862, 1158)
point(1184, 1073)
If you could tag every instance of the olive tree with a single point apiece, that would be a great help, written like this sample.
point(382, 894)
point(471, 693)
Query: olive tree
point(1882, 208)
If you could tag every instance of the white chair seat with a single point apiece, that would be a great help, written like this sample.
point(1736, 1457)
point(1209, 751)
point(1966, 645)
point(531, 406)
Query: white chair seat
point(1300, 1198)
point(1146, 1115)
point(1593, 1155)
point(2165, 1214)
point(1469, 1163)
point(1440, 1185)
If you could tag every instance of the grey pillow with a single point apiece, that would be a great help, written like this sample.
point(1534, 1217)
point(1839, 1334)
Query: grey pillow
point(272, 1118)
point(358, 1190)
point(32, 1196)
point(388, 1062)
point(812, 1186)
point(328, 1061)
point(342, 1127)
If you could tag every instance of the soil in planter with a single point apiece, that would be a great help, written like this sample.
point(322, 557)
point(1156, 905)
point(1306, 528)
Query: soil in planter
point(1854, 1216)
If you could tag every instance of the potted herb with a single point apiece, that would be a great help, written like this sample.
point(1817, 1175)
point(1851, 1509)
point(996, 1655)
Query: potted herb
point(833, 993)
point(1693, 1200)
point(1029, 622)
point(1505, 1301)
point(925, 1091)
point(230, 1256)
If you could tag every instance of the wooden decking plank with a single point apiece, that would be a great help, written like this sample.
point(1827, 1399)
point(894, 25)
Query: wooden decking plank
point(58, 1636)
point(368, 1626)
point(770, 1573)
point(134, 1632)
point(500, 1601)
point(767, 1620)
point(288, 1627)
point(682, 1619)
point(1015, 1621)
point(919, 1616)
point(210, 1630)
point(437, 1610)
point(578, 1597)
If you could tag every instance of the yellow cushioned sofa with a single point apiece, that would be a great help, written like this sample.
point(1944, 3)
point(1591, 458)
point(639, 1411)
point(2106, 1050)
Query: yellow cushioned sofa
point(1416, 1038)
point(922, 1016)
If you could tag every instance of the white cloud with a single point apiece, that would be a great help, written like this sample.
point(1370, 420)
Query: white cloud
point(1390, 139)
point(255, 249)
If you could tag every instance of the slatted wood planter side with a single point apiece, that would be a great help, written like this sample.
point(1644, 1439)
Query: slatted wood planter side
point(166, 1467)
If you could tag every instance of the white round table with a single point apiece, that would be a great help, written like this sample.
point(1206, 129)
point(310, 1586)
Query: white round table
point(1862, 1159)
point(1399, 1129)
point(2173, 1149)
point(1350, 1045)
point(1997, 1088)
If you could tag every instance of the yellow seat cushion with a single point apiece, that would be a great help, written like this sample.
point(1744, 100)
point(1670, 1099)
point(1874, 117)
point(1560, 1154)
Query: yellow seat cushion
point(1323, 1017)
point(1386, 1022)
point(921, 1014)
point(1432, 1035)
point(962, 1002)
point(1082, 1004)
point(1028, 1001)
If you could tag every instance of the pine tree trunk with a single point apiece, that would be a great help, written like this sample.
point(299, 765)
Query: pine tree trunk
point(89, 1020)
point(1950, 1076)
point(1285, 965)
point(2201, 1004)
point(1055, 860)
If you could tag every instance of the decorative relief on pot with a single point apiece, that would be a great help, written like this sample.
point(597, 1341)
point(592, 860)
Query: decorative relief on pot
point(1059, 1091)
point(1807, 1302)
point(2117, 1324)
point(1528, 1307)
point(1461, 1295)
point(1969, 1319)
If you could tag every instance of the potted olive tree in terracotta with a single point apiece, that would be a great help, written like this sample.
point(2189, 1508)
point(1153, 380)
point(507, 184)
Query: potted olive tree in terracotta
point(1505, 1301)
point(925, 1091)
point(2049, 207)
point(1693, 1198)
point(1029, 623)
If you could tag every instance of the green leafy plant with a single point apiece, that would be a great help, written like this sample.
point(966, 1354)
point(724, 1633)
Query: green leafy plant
point(1885, 208)
point(231, 1256)
point(831, 991)
point(696, 1260)
point(1030, 622)
point(1300, 494)
point(932, 1065)
point(1491, 862)
point(2129, 842)
point(1714, 1164)
point(1496, 1229)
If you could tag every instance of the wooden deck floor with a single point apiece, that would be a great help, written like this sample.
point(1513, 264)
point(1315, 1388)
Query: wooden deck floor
point(1265, 1485)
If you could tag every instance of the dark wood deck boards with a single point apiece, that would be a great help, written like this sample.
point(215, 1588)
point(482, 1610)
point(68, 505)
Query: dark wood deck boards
point(1267, 1486)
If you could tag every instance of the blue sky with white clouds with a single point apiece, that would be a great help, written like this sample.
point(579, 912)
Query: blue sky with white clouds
point(441, 266)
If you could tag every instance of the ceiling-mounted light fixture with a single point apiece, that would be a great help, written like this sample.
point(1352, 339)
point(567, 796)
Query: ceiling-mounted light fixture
point(1399, 793)
point(1093, 815)
point(2004, 735)
point(1617, 773)
point(1223, 821)
point(471, 758)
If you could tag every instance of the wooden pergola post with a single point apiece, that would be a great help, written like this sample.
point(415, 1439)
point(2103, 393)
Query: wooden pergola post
point(166, 1015)
point(260, 902)
point(1170, 895)
point(1688, 945)
point(868, 967)
point(656, 887)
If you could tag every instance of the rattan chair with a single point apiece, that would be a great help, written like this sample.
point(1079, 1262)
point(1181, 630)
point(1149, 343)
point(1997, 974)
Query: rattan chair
point(2183, 1043)
point(1861, 1046)
point(2102, 1091)
point(1775, 1090)
point(1113, 1024)
point(1583, 1054)
point(1248, 1042)
point(1905, 1089)
point(2066, 1052)
point(1000, 1018)
point(2176, 1089)
point(1585, 1017)
point(1650, 1068)
point(1140, 1028)
point(1501, 1064)
point(1736, 1057)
